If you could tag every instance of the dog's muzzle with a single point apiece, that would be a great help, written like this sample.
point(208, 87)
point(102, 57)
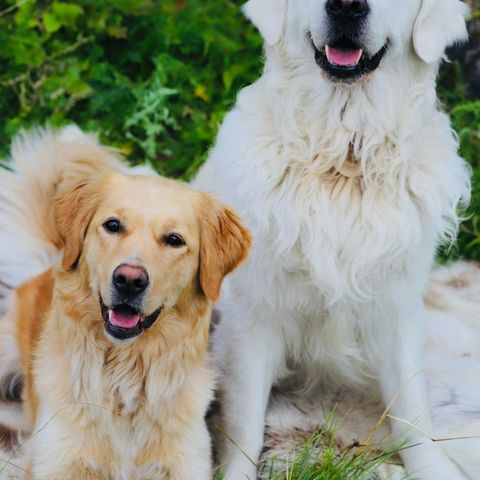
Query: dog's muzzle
point(125, 322)
point(344, 56)
point(344, 61)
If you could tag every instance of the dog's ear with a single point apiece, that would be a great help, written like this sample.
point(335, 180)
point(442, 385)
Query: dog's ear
point(269, 17)
point(224, 244)
point(439, 24)
point(73, 211)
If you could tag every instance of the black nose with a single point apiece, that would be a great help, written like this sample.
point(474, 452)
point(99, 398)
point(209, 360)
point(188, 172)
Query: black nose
point(130, 280)
point(347, 9)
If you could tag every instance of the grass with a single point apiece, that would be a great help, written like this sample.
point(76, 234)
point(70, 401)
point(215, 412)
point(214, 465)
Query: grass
point(320, 458)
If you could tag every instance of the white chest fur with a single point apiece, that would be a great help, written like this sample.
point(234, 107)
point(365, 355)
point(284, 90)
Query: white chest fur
point(278, 167)
point(328, 250)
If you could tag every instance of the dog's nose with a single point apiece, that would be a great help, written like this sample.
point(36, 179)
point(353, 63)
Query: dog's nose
point(347, 9)
point(130, 279)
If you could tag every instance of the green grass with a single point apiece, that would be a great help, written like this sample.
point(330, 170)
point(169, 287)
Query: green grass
point(320, 458)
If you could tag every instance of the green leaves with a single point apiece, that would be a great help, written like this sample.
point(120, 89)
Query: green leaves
point(465, 115)
point(50, 22)
point(61, 15)
point(151, 118)
point(155, 78)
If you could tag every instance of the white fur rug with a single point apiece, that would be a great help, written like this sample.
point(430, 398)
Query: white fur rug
point(452, 368)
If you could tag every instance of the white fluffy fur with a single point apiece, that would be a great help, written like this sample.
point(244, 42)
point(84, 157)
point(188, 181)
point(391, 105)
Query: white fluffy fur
point(333, 287)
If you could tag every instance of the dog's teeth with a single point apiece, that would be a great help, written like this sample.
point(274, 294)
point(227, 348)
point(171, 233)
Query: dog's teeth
point(327, 52)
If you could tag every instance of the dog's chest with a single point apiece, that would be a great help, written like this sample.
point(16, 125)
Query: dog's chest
point(339, 234)
point(119, 417)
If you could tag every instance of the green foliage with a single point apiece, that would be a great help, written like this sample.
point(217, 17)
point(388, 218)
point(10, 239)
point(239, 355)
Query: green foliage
point(465, 115)
point(466, 121)
point(320, 458)
point(156, 78)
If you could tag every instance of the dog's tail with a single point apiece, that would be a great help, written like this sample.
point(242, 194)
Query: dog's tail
point(42, 162)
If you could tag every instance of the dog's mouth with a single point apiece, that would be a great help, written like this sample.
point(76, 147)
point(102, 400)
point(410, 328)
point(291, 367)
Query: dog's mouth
point(345, 61)
point(125, 322)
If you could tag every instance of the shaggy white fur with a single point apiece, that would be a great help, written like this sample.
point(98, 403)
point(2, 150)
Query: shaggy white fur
point(348, 189)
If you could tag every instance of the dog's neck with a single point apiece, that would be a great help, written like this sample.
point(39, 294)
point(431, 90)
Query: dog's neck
point(400, 83)
point(324, 125)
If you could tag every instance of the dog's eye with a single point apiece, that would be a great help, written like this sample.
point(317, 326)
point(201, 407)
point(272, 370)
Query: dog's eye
point(113, 226)
point(174, 240)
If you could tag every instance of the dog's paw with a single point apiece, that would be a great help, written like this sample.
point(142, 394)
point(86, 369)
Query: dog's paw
point(240, 470)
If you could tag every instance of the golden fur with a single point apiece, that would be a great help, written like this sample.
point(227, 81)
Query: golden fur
point(102, 410)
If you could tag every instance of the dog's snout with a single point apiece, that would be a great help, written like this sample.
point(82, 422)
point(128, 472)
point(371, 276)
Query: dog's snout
point(347, 9)
point(130, 279)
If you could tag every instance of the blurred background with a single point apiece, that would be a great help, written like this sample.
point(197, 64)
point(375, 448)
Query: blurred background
point(155, 78)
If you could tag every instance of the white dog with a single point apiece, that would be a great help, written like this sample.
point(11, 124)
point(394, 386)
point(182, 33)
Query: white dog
point(348, 175)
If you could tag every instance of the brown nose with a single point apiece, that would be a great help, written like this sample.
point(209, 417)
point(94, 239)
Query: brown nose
point(347, 9)
point(130, 280)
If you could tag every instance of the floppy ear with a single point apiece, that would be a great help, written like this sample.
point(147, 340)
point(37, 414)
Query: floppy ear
point(268, 16)
point(439, 24)
point(224, 243)
point(73, 212)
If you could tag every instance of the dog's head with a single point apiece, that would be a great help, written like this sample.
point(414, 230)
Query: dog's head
point(144, 246)
point(349, 39)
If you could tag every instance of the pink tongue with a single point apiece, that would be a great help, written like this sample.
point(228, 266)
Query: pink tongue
point(343, 58)
point(122, 319)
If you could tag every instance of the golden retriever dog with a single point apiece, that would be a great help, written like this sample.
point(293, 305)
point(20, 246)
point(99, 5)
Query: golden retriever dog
point(113, 340)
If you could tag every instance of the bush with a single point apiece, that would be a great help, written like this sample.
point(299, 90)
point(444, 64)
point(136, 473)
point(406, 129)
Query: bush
point(155, 78)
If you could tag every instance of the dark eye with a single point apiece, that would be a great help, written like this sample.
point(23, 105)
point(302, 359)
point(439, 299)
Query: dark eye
point(113, 226)
point(174, 240)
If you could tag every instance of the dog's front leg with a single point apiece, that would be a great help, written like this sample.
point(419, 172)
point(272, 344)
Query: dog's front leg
point(404, 390)
point(249, 355)
point(193, 459)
